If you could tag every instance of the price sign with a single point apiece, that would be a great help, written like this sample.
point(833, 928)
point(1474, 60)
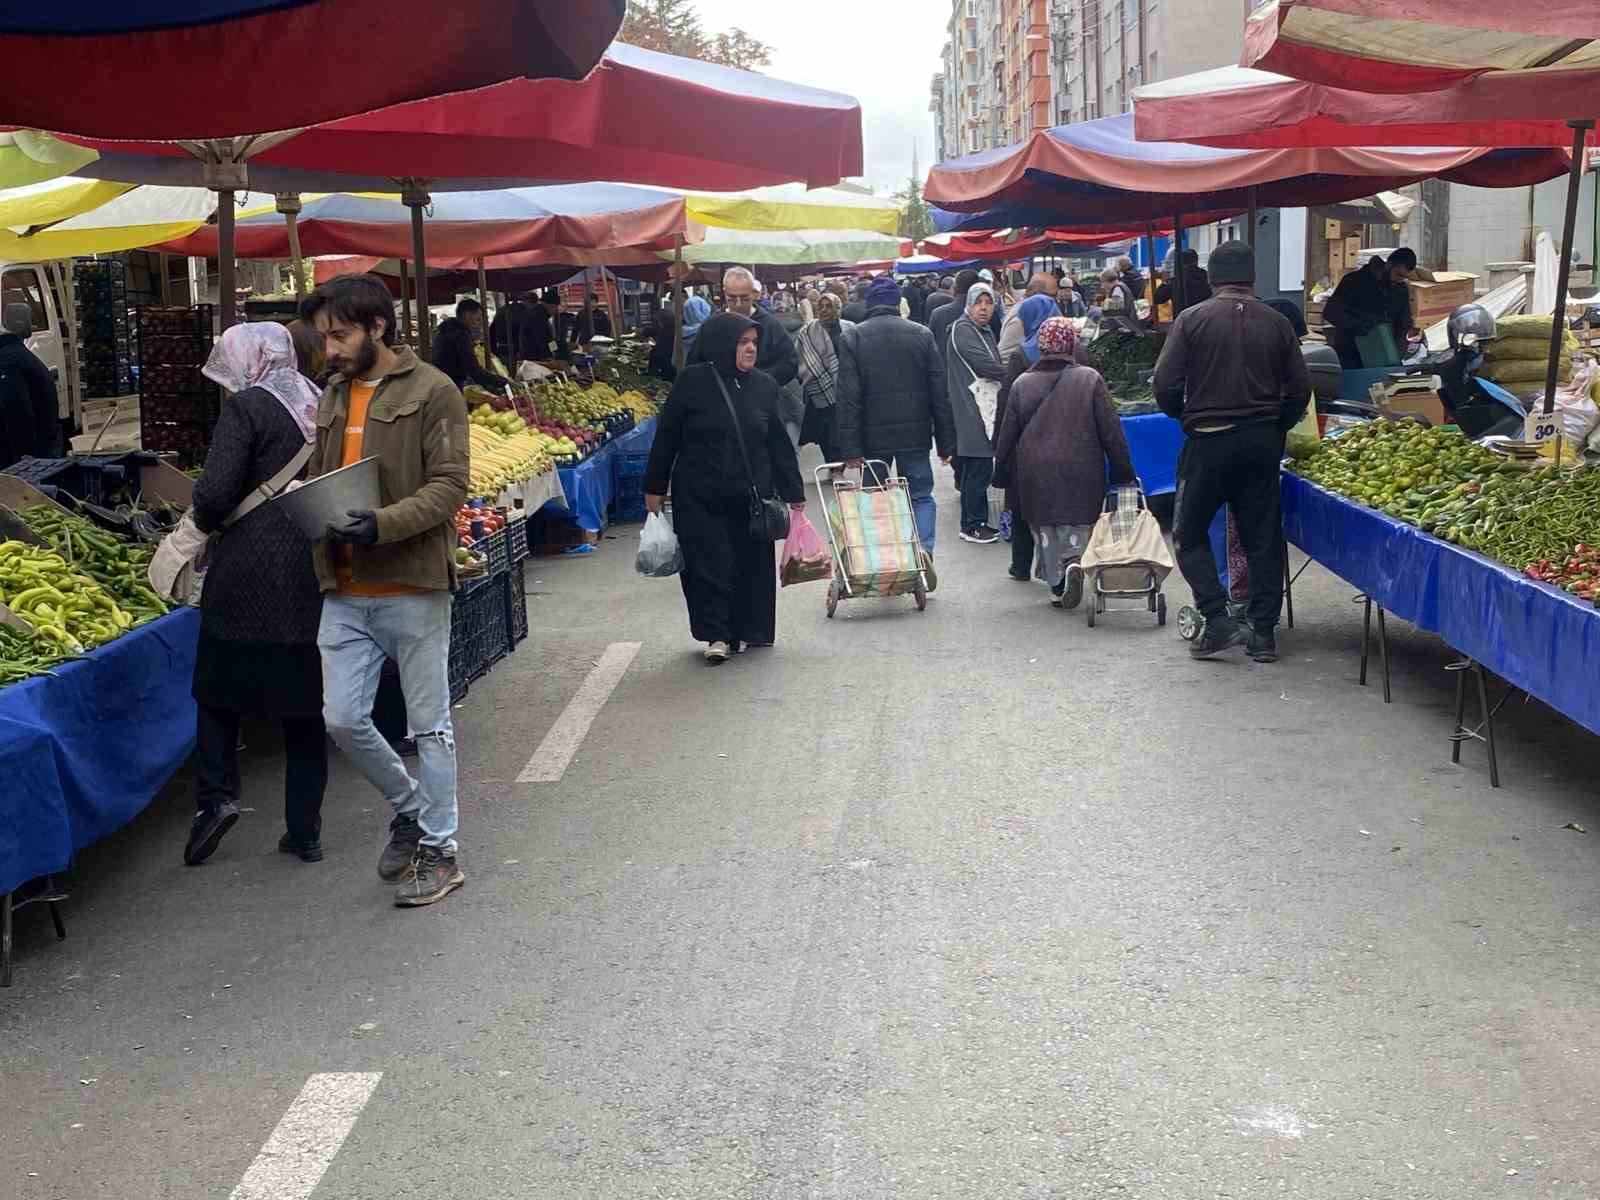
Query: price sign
point(1541, 426)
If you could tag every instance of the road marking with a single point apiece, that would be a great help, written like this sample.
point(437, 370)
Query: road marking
point(300, 1149)
point(550, 761)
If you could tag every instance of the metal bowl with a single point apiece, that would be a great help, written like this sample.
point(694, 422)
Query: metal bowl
point(326, 499)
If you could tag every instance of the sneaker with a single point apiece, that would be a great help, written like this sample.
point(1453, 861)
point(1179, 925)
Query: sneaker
point(430, 877)
point(1072, 587)
point(1263, 646)
point(717, 653)
point(1019, 576)
point(982, 535)
point(205, 835)
point(308, 851)
point(929, 575)
point(1056, 594)
point(404, 835)
point(1220, 635)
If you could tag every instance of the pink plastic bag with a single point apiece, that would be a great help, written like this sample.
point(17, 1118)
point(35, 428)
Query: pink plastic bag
point(806, 558)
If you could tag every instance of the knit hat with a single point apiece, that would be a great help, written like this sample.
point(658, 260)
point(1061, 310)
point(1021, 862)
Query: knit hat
point(1057, 338)
point(882, 292)
point(1232, 262)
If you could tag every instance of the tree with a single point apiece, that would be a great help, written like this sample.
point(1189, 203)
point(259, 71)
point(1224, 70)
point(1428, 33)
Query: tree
point(673, 27)
point(916, 218)
point(736, 48)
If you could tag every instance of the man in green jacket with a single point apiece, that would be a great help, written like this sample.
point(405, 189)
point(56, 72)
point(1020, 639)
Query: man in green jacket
point(387, 574)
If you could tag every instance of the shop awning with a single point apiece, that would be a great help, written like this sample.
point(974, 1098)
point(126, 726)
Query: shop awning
point(221, 68)
point(1424, 45)
point(1007, 244)
point(793, 247)
point(1098, 172)
point(135, 218)
point(461, 225)
point(28, 157)
point(792, 206)
point(1243, 108)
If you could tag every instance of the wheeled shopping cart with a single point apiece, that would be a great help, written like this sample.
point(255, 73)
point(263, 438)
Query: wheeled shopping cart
point(1127, 557)
point(872, 534)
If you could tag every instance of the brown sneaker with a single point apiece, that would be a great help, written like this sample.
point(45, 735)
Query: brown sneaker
point(404, 834)
point(430, 878)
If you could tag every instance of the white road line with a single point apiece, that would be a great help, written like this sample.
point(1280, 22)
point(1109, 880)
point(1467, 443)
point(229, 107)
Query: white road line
point(550, 761)
point(300, 1149)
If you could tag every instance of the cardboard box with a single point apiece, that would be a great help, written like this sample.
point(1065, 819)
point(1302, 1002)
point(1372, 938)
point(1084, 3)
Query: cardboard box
point(1417, 403)
point(1332, 230)
point(1353, 256)
point(1435, 301)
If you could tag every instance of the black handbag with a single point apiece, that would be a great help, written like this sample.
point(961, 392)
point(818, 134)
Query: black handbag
point(769, 519)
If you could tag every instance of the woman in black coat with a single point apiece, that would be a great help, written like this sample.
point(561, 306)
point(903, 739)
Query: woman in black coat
point(260, 605)
point(729, 578)
point(663, 350)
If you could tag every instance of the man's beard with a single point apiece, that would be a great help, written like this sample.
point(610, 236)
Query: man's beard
point(361, 365)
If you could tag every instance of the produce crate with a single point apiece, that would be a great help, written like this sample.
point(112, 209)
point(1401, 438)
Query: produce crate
point(186, 441)
point(178, 406)
point(632, 466)
point(516, 593)
point(517, 539)
point(477, 634)
point(494, 550)
point(628, 506)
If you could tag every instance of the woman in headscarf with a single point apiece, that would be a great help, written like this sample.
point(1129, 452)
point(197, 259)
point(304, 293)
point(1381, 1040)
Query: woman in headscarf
point(664, 347)
point(729, 577)
point(1030, 315)
point(1060, 432)
point(973, 356)
point(261, 605)
point(696, 310)
point(818, 347)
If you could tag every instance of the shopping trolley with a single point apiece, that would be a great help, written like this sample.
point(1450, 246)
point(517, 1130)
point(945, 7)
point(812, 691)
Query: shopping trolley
point(1127, 557)
point(872, 534)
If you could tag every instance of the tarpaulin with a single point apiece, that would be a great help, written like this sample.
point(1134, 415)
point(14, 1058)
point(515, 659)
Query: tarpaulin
point(792, 206)
point(1534, 636)
point(590, 488)
point(221, 68)
point(87, 749)
point(1155, 441)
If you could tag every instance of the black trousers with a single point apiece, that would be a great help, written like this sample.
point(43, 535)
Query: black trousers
point(305, 773)
point(1021, 545)
point(730, 580)
point(1238, 468)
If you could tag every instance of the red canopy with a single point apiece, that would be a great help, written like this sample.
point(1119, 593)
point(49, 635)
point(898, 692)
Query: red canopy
point(221, 68)
point(1008, 244)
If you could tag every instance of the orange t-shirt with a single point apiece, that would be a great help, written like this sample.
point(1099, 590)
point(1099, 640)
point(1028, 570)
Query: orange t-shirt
point(355, 437)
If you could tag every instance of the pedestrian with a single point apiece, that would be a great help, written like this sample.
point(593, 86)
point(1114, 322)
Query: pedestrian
point(940, 320)
point(778, 356)
point(1060, 439)
point(1232, 373)
point(696, 309)
point(30, 421)
point(818, 346)
point(720, 441)
point(387, 574)
point(894, 406)
point(454, 353)
point(1196, 285)
point(664, 347)
point(916, 300)
point(260, 606)
point(1011, 334)
point(1030, 315)
point(972, 358)
point(938, 297)
point(1119, 305)
point(1129, 274)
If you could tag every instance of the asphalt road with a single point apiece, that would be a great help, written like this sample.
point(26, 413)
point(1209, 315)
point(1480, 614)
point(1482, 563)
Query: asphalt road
point(978, 902)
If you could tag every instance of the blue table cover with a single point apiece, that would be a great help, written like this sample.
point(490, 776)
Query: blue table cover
point(85, 750)
point(1532, 635)
point(639, 439)
point(1154, 440)
point(590, 487)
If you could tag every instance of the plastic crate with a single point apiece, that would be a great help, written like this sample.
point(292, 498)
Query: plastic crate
point(632, 466)
point(516, 593)
point(477, 633)
point(517, 539)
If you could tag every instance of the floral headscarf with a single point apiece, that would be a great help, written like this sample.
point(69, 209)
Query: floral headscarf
point(261, 354)
point(1057, 338)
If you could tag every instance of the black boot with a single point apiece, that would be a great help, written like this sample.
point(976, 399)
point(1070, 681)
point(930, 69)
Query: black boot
point(1219, 635)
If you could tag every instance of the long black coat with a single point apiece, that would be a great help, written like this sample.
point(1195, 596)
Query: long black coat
point(1060, 432)
point(892, 394)
point(696, 448)
point(30, 422)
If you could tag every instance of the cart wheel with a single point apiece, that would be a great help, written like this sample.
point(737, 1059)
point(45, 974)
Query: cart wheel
point(833, 597)
point(1152, 601)
point(1091, 608)
point(1190, 623)
point(1161, 609)
point(921, 595)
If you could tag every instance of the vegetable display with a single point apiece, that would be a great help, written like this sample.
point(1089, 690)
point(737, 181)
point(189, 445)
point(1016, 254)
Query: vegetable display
point(121, 568)
point(1126, 360)
point(63, 605)
point(23, 655)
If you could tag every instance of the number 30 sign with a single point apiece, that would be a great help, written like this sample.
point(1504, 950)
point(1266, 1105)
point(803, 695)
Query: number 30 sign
point(1542, 427)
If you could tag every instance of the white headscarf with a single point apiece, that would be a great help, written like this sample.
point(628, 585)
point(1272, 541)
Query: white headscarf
point(261, 354)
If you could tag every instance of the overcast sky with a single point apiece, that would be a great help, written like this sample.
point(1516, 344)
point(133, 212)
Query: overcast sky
point(882, 52)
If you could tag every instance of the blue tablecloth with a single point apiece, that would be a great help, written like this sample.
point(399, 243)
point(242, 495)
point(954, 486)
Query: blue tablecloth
point(639, 439)
point(590, 487)
point(1534, 636)
point(1154, 439)
point(85, 750)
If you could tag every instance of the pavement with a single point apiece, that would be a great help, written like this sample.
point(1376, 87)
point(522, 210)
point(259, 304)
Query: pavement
point(978, 902)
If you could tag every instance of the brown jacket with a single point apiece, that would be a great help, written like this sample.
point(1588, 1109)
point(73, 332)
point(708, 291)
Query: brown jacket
point(417, 428)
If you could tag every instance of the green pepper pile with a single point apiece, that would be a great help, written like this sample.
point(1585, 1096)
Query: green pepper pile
point(1126, 360)
point(1444, 484)
point(121, 568)
point(23, 655)
point(63, 605)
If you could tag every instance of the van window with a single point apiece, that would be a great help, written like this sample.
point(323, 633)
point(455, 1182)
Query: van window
point(22, 287)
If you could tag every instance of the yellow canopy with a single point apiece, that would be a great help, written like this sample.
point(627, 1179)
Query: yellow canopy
point(792, 207)
point(30, 207)
point(129, 218)
point(27, 156)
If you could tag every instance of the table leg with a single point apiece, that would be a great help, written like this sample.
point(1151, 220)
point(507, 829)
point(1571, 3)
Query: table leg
point(55, 898)
point(1488, 725)
point(1383, 650)
point(1461, 713)
point(5, 940)
point(1366, 638)
point(1288, 585)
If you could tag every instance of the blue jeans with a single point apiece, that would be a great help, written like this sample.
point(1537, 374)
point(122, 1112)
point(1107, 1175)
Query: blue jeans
point(975, 475)
point(357, 634)
point(917, 469)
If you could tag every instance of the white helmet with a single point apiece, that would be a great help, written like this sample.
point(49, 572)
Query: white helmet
point(1470, 325)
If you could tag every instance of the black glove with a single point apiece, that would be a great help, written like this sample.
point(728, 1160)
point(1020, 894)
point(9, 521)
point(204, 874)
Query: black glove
point(359, 527)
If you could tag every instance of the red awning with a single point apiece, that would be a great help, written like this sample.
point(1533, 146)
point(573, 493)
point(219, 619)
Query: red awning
point(223, 68)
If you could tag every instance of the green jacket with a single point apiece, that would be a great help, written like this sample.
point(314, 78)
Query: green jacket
point(417, 428)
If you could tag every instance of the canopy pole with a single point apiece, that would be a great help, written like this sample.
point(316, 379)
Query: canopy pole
point(1180, 290)
point(415, 197)
point(677, 301)
point(483, 297)
point(1253, 218)
point(288, 204)
point(166, 279)
point(588, 308)
point(1150, 264)
point(405, 301)
point(227, 301)
point(1558, 324)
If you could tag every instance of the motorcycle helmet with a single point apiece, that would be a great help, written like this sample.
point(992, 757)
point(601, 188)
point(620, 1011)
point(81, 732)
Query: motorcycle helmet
point(1471, 325)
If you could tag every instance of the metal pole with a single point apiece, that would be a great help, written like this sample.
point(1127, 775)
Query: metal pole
point(405, 301)
point(1558, 324)
point(227, 302)
point(166, 279)
point(1180, 293)
point(483, 297)
point(416, 199)
point(288, 203)
point(588, 308)
point(1150, 264)
point(677, 301)
point(1253, 218)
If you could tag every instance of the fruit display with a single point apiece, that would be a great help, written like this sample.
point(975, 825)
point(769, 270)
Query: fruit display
point(499, 461)
point(62, 604)
point(625, 369)
point(1447, 485)
point(120, 568)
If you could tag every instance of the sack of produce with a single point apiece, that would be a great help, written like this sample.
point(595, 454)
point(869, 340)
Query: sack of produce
point(1303, 438)
point(660, 556)
point(1576, 406)
point(805, 555)
point(1525, 326)
point(1513, 371)
point(1527, 347)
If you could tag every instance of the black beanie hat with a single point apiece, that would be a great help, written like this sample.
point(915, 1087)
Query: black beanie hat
point(1232, 262)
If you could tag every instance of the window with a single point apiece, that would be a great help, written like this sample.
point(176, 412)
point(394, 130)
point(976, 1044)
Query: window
point(22, 287)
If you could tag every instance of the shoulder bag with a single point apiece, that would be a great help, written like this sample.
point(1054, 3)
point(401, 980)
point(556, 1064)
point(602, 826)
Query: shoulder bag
point(985, 392)
point(177, 571)
point(769, 519)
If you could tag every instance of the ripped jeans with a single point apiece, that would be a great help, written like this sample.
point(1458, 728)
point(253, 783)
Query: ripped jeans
point(357, 633)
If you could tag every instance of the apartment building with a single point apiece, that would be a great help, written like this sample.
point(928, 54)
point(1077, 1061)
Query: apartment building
point(995, 85)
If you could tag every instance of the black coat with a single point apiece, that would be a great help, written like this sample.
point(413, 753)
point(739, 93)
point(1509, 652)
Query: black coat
point(453, 354)
point(695, 450)
point(917, 302)
point(663, 353)
point(892, 394)
point(30, 422)
point(776, 353)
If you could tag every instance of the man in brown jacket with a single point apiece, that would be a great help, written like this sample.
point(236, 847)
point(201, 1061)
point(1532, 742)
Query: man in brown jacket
point(387, 574)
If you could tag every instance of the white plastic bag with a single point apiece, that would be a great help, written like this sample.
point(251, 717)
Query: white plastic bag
point(660, 556)
point(1575, 403)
